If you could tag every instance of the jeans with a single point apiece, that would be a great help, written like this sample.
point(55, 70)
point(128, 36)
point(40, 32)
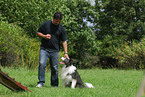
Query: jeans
point(53, 58)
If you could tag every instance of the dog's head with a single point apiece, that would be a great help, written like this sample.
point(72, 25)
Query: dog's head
point(66, 61)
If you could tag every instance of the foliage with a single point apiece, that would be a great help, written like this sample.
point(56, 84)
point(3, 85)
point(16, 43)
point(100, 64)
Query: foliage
point(117, 23)
point(108, 45)
point(9, 40)
point(82, 45)
point(27, 14)
point(16, 47)
point(125, 17)
point(84, 48)
point(117, 53)
point(130, 56)
point(31, 14)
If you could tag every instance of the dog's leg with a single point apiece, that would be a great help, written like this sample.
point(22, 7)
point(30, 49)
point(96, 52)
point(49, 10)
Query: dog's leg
point(73, 83)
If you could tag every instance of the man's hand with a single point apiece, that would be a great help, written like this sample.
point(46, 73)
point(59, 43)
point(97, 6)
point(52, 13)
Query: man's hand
point(66, 56)
point(48, 36)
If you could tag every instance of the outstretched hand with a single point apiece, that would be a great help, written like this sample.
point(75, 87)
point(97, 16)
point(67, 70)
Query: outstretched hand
point(66, 56)
point(48, 36)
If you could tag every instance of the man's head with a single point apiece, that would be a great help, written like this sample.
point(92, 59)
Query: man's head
point(57, 18)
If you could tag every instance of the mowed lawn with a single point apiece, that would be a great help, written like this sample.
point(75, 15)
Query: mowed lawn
point(107, 82)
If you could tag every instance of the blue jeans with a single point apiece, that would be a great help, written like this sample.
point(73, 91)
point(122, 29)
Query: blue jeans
point(53, 58)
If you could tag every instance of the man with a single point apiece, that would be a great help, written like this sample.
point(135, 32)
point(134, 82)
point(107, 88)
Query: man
point(52, 33)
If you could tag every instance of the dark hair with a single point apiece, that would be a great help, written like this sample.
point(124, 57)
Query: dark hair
point(58, 15)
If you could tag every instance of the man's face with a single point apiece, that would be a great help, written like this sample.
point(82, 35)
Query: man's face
point(56, 22)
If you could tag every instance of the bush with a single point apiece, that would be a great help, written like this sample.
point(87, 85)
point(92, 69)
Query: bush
point(130, 55)
point(9, 38)
point(109, 44)
point(117, 53)
point(17, 49)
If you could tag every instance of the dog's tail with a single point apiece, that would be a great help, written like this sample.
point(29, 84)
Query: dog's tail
point(89, 85)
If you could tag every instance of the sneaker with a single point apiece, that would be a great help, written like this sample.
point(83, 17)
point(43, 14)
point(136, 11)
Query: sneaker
point(40, 85)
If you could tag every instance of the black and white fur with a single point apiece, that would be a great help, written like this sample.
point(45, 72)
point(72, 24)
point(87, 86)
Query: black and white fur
point(70, 75)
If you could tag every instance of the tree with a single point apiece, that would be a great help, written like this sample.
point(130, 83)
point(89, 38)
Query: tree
point(82, 43)
point(118, 21)
point(120, 17)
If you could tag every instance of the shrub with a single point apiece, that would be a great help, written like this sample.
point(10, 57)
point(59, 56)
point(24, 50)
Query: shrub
point(130, 56)
point(109, 43)
point(9, 38)
point(17, 49)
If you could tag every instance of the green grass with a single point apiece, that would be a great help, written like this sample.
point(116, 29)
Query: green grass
point(108, 83)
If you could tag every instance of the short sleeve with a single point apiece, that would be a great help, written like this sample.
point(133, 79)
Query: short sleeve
point(64, 35)
point(42, 28)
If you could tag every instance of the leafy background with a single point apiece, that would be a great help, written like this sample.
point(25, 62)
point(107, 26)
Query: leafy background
point(115, 40)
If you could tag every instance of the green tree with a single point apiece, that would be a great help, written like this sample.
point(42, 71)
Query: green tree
point(120, 17)
point(118, 21)
point(82, 43)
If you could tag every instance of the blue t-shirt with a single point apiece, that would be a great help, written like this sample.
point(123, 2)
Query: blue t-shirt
point(57, 33)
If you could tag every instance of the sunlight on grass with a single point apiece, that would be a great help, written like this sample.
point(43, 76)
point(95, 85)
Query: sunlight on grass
point(108, 83)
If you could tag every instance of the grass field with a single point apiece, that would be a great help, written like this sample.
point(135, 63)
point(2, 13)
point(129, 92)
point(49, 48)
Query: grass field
point(108, 83)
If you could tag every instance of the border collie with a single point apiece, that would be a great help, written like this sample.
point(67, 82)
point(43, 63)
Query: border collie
point(70, 75)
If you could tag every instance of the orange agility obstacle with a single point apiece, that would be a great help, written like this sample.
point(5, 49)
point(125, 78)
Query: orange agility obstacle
point(11, 83)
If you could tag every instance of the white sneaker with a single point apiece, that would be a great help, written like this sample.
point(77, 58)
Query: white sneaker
point(40, 85)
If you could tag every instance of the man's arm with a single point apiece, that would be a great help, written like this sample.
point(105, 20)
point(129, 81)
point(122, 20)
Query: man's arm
point(47, 36)
point(65, 49)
